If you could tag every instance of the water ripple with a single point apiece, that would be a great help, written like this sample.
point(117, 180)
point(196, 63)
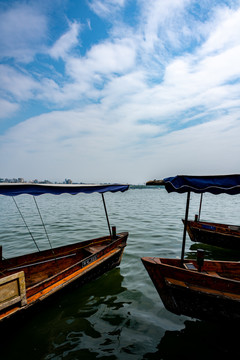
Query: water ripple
point(120, 315)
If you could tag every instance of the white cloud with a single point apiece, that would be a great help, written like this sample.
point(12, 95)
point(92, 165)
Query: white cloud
point(105, 58)
point(129, 95)
point(106, 8)
point(163, 23)
point(87, 137)
point(61, 139)
point(224, 32)
point(66, 42)
point(199, 150)
point(90, 74)
point(16, 84)
point(23, 30)
point(7, 108)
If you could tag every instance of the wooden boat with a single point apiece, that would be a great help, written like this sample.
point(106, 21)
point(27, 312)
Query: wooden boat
point(29, 279)
point(213, 293)
point(203, 289)
point(222, 235)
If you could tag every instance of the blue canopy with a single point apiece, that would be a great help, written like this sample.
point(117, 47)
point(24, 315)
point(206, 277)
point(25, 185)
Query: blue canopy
point(214, 184)
point(11, 189)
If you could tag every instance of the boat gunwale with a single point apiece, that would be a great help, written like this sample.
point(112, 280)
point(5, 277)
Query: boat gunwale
point(61, 284)
point(77, 265)
point(50, 253)
point(193, 275)
point(218, 227)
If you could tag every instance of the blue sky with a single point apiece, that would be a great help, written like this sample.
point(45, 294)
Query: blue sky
point(119, 90)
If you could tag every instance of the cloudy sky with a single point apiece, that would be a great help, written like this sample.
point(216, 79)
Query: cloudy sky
point(119, 90)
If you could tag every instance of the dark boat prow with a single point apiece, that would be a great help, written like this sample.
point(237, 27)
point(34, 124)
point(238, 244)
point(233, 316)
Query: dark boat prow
point(212, 294)
point(222, 235)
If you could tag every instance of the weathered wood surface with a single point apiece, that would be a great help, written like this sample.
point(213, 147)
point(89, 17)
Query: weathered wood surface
point(155, 182)
point(212, 294)
point(222, 235)
point(12, 290)
point(46, 274)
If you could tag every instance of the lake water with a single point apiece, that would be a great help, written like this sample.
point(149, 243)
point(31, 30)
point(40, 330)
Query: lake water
point(120, 315)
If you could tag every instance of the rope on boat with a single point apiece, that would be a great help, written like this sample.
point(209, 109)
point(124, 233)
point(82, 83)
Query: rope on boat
point(44, 225)
point(98, 242)
point(25, 223)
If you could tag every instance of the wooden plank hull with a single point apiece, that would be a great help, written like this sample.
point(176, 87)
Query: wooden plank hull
point(47, 274)
point(225, 236)
point(213, 294)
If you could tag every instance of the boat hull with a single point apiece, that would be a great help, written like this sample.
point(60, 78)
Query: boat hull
point(46, 275)
point(204, 295)
point(225, 236)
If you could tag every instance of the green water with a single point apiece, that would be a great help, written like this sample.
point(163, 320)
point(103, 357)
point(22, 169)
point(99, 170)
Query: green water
point(120, 315)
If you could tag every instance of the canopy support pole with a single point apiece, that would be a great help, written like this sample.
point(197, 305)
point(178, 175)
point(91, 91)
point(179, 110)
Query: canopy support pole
point(106, 215)
point(185, 228)
point(200, 207)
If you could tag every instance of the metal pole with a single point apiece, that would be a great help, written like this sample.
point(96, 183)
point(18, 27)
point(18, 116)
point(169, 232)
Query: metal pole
point(200, 207)
point(185, 228)
point(106, 216)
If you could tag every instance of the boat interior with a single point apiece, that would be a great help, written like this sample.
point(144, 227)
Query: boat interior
point(43, 265)
point(225, 269)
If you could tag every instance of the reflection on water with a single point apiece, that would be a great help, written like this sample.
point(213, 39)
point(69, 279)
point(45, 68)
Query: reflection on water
point(74, 323)
point(120, 315)
point(197, 340)
point(213, 252)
